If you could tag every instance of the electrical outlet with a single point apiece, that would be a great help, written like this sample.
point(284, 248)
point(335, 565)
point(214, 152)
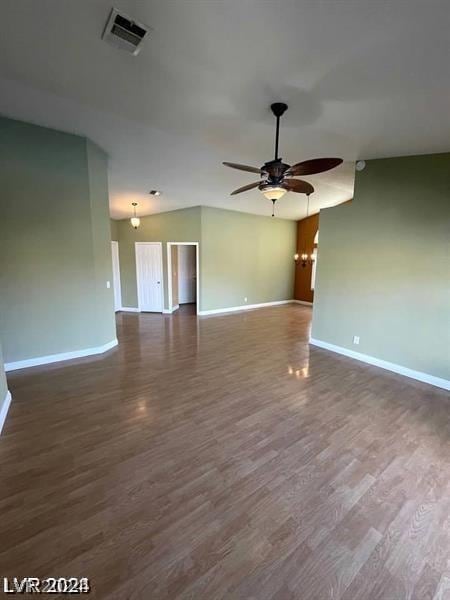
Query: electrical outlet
point(356, 339)
point(245, 299)
point(108, 284)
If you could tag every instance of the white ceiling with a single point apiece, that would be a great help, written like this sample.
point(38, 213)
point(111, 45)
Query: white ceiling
point(362, 78)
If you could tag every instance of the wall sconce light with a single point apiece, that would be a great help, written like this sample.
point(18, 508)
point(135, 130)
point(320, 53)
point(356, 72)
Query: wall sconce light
point(304, 258)
point(307, 260)
point(135, 221)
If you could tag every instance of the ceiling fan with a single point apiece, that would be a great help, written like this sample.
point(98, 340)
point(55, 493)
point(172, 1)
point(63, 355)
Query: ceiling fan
point(277, 175)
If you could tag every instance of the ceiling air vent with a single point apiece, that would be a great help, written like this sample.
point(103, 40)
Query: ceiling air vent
point(124, 33)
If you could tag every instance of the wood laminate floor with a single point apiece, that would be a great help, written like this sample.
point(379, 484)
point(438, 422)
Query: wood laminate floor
point(222, 457)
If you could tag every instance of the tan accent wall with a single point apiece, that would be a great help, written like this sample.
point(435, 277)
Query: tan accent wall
point(306, 230)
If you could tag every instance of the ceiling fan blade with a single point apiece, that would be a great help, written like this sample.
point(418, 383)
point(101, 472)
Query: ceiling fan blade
point(242, 167)
point(245, 188)
point(313, 166)
point(297, 185)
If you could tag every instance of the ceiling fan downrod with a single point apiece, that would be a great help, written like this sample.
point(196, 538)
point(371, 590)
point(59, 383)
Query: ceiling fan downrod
point(278, 109)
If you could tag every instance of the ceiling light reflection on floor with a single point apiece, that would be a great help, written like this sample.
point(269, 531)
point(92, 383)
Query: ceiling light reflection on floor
point(299, 373)
point(142, 407)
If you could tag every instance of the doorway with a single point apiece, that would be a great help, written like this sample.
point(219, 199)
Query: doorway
point(149, 276)
point(183, 275)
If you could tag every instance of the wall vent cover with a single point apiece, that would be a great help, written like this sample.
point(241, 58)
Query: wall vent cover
point(123, 32)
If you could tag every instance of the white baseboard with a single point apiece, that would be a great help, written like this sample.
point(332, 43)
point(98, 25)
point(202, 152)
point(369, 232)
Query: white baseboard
point(383, 364)
point(216, 311)
point(52, 358)
point(4, 409)
point(169, 311)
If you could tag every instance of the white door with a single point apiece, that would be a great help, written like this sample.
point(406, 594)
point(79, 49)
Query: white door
point(187, 280)
point(149, 276)
point(116, 276)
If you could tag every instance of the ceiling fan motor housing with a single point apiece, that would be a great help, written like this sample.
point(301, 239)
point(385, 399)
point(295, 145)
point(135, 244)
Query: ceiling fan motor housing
point(275, 169)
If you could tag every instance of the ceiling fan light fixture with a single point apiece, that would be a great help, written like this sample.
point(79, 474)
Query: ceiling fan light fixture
point(273, 192)
point(277, 176)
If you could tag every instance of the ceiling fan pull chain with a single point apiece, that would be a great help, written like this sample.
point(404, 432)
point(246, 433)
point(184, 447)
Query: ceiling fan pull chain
point(273, 208)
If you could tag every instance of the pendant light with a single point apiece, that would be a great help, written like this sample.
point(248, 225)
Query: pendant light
point(135, 221)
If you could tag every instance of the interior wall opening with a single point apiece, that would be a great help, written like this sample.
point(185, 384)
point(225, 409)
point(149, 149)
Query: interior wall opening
point(183, 276)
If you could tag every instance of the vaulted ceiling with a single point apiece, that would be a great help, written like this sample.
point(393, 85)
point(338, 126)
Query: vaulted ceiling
point(363, 79)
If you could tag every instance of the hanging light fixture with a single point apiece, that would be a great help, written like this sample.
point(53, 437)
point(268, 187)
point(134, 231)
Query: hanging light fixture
point(304, 258)
point(135, 221)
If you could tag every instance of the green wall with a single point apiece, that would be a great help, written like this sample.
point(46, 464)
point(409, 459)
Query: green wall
point(241, 255)
point(55, 255)
point(114, 225)
point(244, 255)
point(383, 269)
point(175, 226)
point(103, 300)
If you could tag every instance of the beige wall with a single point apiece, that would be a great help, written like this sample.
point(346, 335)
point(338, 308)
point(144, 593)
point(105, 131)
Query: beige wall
point(383, 269)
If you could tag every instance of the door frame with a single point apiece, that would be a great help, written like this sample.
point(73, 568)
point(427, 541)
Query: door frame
point(136, 244)
point(115, 244)
point(169, 272)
